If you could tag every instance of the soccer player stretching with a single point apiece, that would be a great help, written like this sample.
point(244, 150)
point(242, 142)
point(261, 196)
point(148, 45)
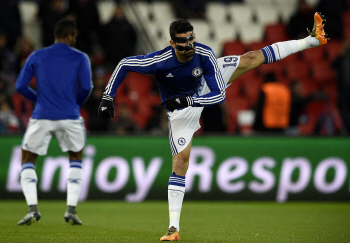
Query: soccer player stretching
point(63, 81)
point(191, 78)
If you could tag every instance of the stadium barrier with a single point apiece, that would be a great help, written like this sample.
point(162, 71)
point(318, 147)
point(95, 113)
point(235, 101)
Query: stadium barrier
point(221, 168)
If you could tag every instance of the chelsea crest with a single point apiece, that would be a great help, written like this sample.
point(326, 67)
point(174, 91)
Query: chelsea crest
point(181, 141)
point(197, 72)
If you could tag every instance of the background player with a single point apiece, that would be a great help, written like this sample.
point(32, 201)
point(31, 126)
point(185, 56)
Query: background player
point(185, 99)
point(63, 81)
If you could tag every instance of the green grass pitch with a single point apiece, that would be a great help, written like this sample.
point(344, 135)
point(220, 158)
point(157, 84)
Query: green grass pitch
point(116, 221)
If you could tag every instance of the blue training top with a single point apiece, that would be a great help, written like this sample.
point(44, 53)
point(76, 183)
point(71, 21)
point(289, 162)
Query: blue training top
point(175, 79)
point(63, 82)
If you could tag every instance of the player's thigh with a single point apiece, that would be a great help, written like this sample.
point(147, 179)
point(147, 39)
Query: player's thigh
point(37, 136)
point(71, 135)
point(182, 125)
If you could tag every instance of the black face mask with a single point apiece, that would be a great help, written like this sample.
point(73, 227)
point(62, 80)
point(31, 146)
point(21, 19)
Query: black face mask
point(187, 40)
point(189, 47)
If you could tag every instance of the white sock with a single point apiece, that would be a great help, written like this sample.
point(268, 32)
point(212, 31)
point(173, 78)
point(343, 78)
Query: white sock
point(176, 192)
point(29, 180)
point(74, 182)
point(280, 50)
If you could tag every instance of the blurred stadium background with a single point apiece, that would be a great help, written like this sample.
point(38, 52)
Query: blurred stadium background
point(310, 165)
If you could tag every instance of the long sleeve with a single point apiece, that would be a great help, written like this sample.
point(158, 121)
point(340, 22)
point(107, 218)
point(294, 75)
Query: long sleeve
point(146, 64)
point(24, 78)
point(85, 81)
point(214, 81)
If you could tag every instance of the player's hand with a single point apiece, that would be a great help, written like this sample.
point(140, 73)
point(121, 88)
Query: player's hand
point(106, 109)
point(177, 103)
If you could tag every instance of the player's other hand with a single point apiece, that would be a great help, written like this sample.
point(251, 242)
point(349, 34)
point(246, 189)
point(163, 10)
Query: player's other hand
point(177, 103)
point(106, 109)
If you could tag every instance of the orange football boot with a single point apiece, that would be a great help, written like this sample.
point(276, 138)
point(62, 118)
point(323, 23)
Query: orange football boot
point(318, 29)
point(171, 235)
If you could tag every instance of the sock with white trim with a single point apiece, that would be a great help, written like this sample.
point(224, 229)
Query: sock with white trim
point(74, 182)
point(280, 50)
point(28, 181)
point(176, 192)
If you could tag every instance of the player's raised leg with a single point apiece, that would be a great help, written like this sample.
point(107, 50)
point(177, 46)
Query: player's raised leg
point(280, 50)
point(74, 183)
point(28, 183)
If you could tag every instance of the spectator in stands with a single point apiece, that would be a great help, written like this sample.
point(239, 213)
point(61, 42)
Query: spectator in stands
point(342, 67)
point(88, 23)
point(8, 59)
point(333, 10)
point(118, 38)
point(299, 102)
point(273, 107)
point(8, 120)
point(50, 12)
point(328, 122)
point(94, 122)
point(4, 92)
point(185, 9)
point(158, 123)
point(124, 124)
point(24, 47)
point(213, 119)
point(301, 18)
point(10, 21)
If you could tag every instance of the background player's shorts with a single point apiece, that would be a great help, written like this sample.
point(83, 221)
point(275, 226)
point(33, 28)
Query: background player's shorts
point(184, 123)
point(71, 135)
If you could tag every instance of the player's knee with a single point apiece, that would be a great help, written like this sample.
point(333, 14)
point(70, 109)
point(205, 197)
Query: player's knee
point(75, 155)
point(28, 156)
point(251, 59)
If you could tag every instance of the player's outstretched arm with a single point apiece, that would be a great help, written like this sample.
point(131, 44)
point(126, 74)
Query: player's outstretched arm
point(280, 50)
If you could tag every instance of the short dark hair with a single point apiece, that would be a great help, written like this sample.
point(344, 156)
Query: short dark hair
point(179, 27)
point(64, 28)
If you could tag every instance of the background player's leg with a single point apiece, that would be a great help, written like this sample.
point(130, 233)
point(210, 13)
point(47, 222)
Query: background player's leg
point(74, 183)
point(29, 181)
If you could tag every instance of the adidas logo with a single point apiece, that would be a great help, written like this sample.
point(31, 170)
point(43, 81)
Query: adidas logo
point(103, 108)
point(178, 100)
point(169, 75)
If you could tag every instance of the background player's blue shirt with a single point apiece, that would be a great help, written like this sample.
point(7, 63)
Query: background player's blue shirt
point(63, 82)
point(175, 79)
